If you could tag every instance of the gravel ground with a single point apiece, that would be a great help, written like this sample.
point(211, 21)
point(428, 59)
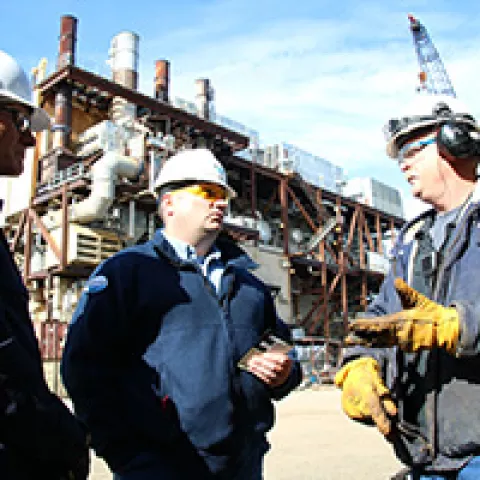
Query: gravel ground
point(314, 440)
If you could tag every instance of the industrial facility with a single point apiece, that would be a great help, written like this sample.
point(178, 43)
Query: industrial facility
point(321, 240)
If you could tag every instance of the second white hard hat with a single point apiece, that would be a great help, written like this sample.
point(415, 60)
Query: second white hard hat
point(15, 88)
point(193, 165)
point(424, 111)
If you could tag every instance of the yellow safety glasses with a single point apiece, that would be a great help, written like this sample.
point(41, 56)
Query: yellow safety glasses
point(208, 191)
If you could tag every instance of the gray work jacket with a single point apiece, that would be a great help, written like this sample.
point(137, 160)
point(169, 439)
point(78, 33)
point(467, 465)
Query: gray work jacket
point(437, 393)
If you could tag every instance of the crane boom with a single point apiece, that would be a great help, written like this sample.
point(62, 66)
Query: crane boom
point(433, 75)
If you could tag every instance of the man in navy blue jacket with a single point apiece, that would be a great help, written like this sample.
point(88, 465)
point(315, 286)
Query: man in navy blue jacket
point(152, 357)
point(39, 437)
point(416, 370)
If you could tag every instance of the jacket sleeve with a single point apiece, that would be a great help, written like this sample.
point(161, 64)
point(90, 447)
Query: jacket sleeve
point(387, 301)
point(111, 387)
point(469, 317)
point(32, 419)
point(19, 368)
point(283, 332)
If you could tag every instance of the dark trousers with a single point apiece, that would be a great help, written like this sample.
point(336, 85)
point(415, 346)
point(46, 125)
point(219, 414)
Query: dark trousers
point(152, 466)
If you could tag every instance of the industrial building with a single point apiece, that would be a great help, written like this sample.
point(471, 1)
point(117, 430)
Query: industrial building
point(319, 247)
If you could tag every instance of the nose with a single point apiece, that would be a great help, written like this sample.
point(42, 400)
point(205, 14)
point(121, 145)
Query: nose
point(404, 165)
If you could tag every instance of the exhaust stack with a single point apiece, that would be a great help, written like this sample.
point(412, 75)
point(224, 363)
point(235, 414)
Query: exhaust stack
point(124, 59)
point(68, 41)
point(63, 99)
point(162, 80)
point(204, 98)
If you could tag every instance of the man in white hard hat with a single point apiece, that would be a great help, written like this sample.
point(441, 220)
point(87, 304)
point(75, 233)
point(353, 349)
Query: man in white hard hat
point(19, 116)
point(159, 360)
point(415, 369)
point(39, 437)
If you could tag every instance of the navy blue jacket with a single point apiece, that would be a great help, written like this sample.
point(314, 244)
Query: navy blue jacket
point(437, 393)
point(151, 357)
point(39, 437)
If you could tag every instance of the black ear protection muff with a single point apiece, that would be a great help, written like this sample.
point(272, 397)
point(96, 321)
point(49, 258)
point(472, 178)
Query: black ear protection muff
point(455, 138)
point(458, 140)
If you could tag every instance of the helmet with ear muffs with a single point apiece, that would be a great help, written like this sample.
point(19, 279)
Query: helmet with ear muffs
point(458, 135)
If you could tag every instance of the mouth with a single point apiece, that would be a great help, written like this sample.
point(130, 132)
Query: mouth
point(216, 218)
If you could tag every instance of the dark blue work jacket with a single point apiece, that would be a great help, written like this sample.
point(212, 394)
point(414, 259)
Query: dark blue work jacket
point(151, 358)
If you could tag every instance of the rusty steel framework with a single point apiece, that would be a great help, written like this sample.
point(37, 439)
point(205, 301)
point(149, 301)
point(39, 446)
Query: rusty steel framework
point(328, 282)
point(338, 281)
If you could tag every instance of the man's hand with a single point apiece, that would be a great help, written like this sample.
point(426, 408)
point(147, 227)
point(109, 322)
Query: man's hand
point(364, 395)
point(271, 367)
point(423, 324)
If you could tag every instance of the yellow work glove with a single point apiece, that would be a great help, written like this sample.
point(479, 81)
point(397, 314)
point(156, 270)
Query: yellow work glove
point(364, 395)
point(423, 324)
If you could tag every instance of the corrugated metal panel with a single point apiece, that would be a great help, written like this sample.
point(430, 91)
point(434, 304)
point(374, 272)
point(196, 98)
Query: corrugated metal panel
point(85, 245)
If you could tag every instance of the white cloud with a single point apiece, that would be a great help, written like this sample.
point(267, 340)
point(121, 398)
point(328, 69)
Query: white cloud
point(325, 84)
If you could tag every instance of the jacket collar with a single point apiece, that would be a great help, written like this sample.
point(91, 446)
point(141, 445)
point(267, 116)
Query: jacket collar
point(409, 230)
point(231, 253)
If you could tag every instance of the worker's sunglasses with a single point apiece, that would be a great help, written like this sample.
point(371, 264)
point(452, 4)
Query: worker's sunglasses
point(21, 120)
point(208, 191)
point(410, 150)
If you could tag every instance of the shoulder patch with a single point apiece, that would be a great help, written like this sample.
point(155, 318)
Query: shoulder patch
point(96, 284)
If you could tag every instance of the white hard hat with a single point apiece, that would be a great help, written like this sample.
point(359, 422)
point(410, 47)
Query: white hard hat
point(193, 165)
point(424, 111)
point(15, 87)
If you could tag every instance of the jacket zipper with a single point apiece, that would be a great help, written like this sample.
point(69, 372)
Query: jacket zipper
point(436, 292)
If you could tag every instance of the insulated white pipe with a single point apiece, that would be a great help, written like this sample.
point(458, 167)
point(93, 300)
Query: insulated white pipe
point(105, 173)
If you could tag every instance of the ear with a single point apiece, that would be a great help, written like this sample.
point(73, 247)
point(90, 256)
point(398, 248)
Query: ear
point(166, 204)
point(3, 127)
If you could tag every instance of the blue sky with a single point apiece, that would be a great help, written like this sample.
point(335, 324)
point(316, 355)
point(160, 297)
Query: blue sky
point(322, 75)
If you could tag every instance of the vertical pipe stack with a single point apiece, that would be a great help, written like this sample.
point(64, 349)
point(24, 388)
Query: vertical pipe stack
point(162, 80)
point(67, 43)
point(124, 64)
point(63, 99)
point(203, 97)
point(124, 59)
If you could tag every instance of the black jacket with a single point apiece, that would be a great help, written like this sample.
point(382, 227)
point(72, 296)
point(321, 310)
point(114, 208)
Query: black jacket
point(39, 437)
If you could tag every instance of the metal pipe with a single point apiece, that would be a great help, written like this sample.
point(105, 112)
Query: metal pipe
point(67, 41)
point(123, 59)
point(203, 97)
point(105, 173)
point(27, 250)
point(131, 219)
point(283, 194)
point(63, 117)
point(64, 250)
point(162, 80)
